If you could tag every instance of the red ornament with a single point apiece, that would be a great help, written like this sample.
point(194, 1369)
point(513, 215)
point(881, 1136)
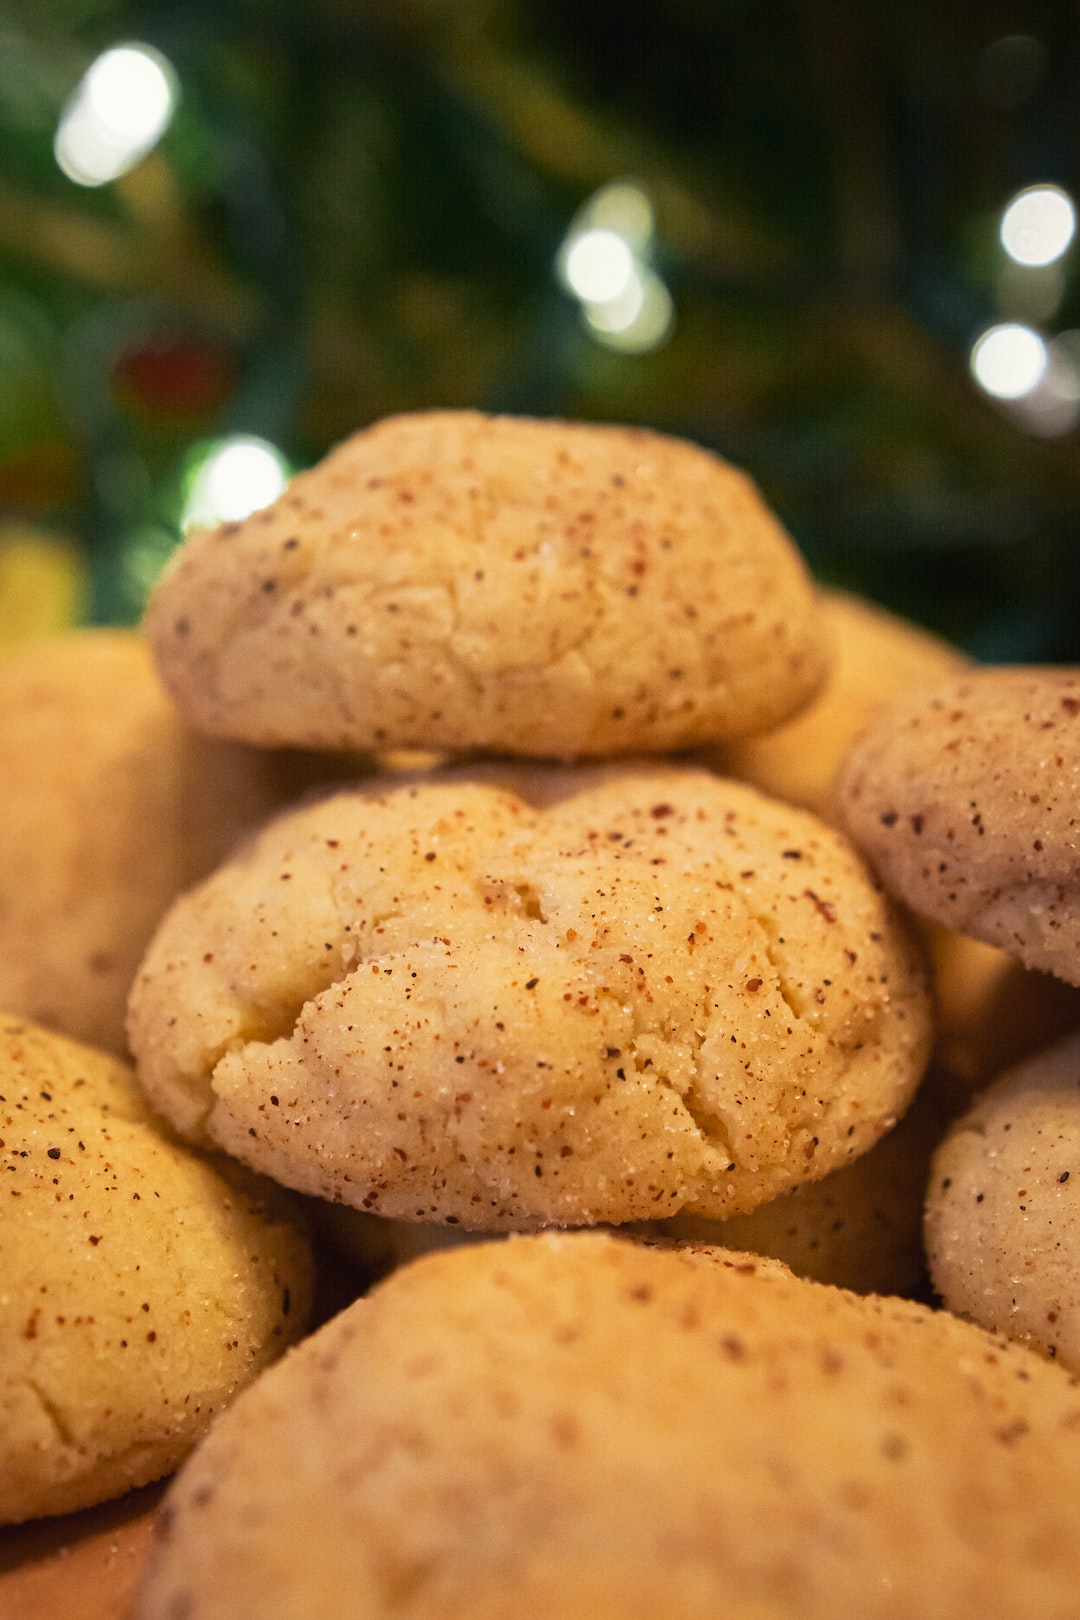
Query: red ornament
point(168, 378)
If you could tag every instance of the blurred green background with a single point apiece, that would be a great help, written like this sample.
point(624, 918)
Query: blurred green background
point(772, 226)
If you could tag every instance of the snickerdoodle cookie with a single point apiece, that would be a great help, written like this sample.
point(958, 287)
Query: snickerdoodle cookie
point(454, 580)
point(1003, 1205)
point(859, 1227)
point(140, 1286)
point(109, 807)
point(875, 656)
point(575, 1427)
point(441, 1003)
point(966, 798)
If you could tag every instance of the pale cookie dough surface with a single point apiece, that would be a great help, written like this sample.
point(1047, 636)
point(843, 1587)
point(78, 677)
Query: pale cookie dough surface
point(875, 656)
point(966, 798)
point(140, 1287)
point(109, 807)
point(454, 580)
point(1003, 1206)
point(442, 1004)
point(577, 1426)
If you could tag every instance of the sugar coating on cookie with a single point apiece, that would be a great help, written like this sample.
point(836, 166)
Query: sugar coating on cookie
point(574, 1425)
point(965, 798)
point(1003, 1205)
point(110, 806)
point(440, 1003)
point(454, 580)
point(876, 656)
point(140, 1286)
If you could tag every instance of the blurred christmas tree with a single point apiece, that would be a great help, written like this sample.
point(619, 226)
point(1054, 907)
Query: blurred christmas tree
point(773, 226)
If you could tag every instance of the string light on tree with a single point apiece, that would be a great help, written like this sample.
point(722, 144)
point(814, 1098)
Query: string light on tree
point(604, 262)
point(231, 478)
point(117, 114)
point(1038, 225)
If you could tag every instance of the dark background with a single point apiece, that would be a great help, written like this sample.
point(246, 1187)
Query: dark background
point(358, 208)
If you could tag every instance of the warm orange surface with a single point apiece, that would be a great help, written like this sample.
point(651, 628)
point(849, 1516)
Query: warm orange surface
point(83, 1567)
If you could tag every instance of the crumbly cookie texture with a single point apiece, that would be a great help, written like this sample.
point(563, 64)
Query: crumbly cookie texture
point(441, 1003)
point(875, 657)
point(110, 806)
point(965, 798)
point(140, 1286)
point(576, 1425)
point(1002, 1210)
point(454, 580)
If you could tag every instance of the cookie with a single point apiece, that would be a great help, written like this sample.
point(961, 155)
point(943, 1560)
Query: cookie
point(1002, 1210)
point(574, 1425)
point(876, 655)
point(439, 1003)
point(453, 580)
point(110, 806)
point(858, 1228)
point(991, 1011)
point(964, 797)
point(141, 1287)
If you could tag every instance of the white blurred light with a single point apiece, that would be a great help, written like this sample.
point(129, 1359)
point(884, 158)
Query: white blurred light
point(1038, 225)
point(1052, 408)
point(1008, 361)
point(604, 263)
point(118, 112)
point(237, 477)
point(638, 320)
point(622, 207)
point(598, 265)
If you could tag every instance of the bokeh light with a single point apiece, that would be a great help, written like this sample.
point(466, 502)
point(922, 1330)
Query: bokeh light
point(598, 265)
point(1038, 225)
point(231, 478)
point(1009, 360)
point(1052, 408)
point(637, 321)
point(119, 111)
point(604, 264)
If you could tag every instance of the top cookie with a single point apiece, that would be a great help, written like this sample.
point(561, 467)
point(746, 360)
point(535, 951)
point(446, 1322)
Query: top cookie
point(964, 796)
point(454, 580)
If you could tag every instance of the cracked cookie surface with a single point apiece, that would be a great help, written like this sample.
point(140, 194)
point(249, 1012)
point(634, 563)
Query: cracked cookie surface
point(454, 580)
point(140, 1286)
point(443, 1003)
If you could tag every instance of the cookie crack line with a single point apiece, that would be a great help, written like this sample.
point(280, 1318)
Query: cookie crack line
point(55, 1414)
point(709, 1123)
point(783, 986)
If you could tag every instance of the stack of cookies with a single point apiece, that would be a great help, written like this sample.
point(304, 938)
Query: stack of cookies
point(579, 945)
